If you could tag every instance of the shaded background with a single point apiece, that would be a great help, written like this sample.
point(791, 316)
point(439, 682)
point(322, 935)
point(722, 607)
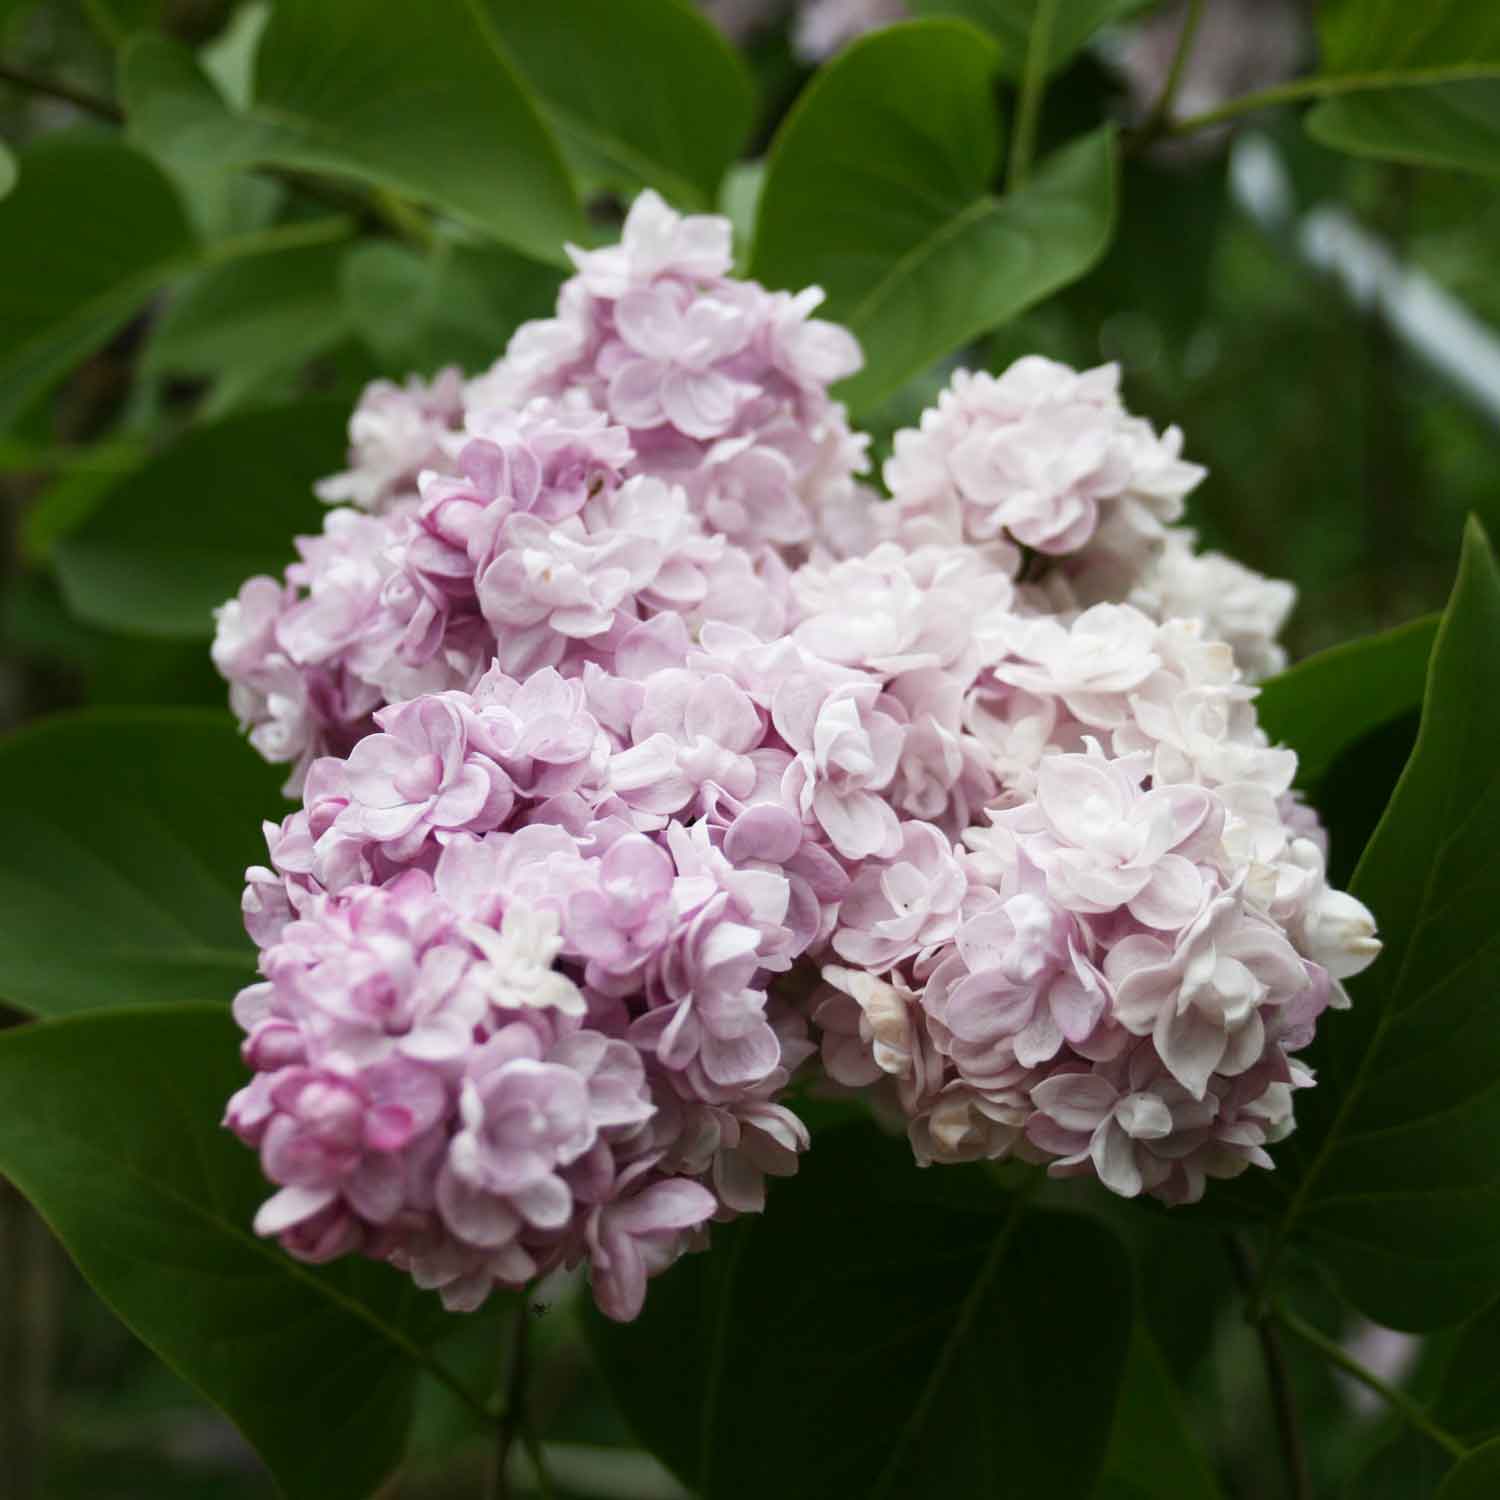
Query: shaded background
point(1326, 331)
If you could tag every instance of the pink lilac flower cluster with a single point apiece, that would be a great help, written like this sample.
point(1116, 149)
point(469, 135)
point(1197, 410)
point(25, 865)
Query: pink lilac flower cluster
point(647, 760)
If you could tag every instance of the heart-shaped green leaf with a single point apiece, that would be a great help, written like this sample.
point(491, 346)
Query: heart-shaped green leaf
point(1324, 704)
point(879, 191)
point(456, 304)
point(247, 320)
point(898, 1332)
point(1153, 1454)
point(109, 1123)
point(1011, 23)
point(1414, 83)
point(89, 231)
point(177, 536)
point(421, 100)
point(127, 834)
point(1393, 1180)
point(642, 93)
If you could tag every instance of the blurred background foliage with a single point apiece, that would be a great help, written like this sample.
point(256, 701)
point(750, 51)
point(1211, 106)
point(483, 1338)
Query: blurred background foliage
point(1342, 456)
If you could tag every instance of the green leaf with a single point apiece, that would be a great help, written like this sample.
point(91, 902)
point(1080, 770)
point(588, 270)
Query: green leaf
point(1435, 125)
point(230, 58)
point(878, 190)
point(456, 305)
point(1468, 1405)
point(420, 100)
point(127, 834)
point(881, 1332)
point(91, 229)
point(655, 97)
point(739, 202)
point(246, 320)
point(1323, 705)
point(1352, 794)
point(1424, 82)
point(1153, 1454)
point(110, 1124)
point(7, 169)
point(1476, 1477)
point(179, 535)
point(1394, 1178)
point(1010, 23)
point(175, 113)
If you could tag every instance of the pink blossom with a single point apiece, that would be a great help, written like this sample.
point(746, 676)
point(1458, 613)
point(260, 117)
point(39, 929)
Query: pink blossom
point(847, 748)
point(903, 907)
point(420, 777)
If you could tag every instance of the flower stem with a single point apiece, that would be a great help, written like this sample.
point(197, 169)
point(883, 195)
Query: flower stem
point(1278, 1380)
point(1158, 121)
point(51, 88)
point(1033, 86)
point(511, 1421)
point(1329, 86)
point(1396, 1398)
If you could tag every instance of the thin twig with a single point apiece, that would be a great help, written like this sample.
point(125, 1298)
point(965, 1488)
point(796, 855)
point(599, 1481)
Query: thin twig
point(1396, 1398)
point(1158, 121)
point(1033, 86)
point(51, 88)
point(511, 1419)
point(1331, 86)
point(1283, 1399)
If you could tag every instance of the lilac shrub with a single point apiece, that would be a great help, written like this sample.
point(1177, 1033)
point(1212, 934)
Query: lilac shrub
point(648, 761)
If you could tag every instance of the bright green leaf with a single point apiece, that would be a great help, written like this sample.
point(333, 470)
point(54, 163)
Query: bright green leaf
point(1437, 125)
point(897, 1333)
point(175, 113)
point(91, 229)
point(420, 100)
point(110, 1124)
point(230, 58)
point(1153, 1454)
point(127, 835)
point(243, 321)
point(1394, 1182)
point(641, 92)
point(1362, 36)
point(1476, 1477)
point(1424, 82)
point(454, 305)
point(1010, 23)
point(878, 190)
point(739, 202)
point(1324, 704)
point(1468, 1405)
point(7, 169)
point(179, 535)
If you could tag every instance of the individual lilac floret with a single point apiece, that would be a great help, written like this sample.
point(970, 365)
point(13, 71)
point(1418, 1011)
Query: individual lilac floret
point(1236, 604)
point(1043, 455)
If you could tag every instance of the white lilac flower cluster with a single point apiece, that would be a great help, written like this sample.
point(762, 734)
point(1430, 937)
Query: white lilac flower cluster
point(647, 759)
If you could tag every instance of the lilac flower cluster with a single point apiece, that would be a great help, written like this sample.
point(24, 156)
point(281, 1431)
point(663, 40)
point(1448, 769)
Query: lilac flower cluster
point(646, 761)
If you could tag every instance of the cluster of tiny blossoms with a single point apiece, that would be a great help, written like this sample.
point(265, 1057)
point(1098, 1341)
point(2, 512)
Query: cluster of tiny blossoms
point(647, 760)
